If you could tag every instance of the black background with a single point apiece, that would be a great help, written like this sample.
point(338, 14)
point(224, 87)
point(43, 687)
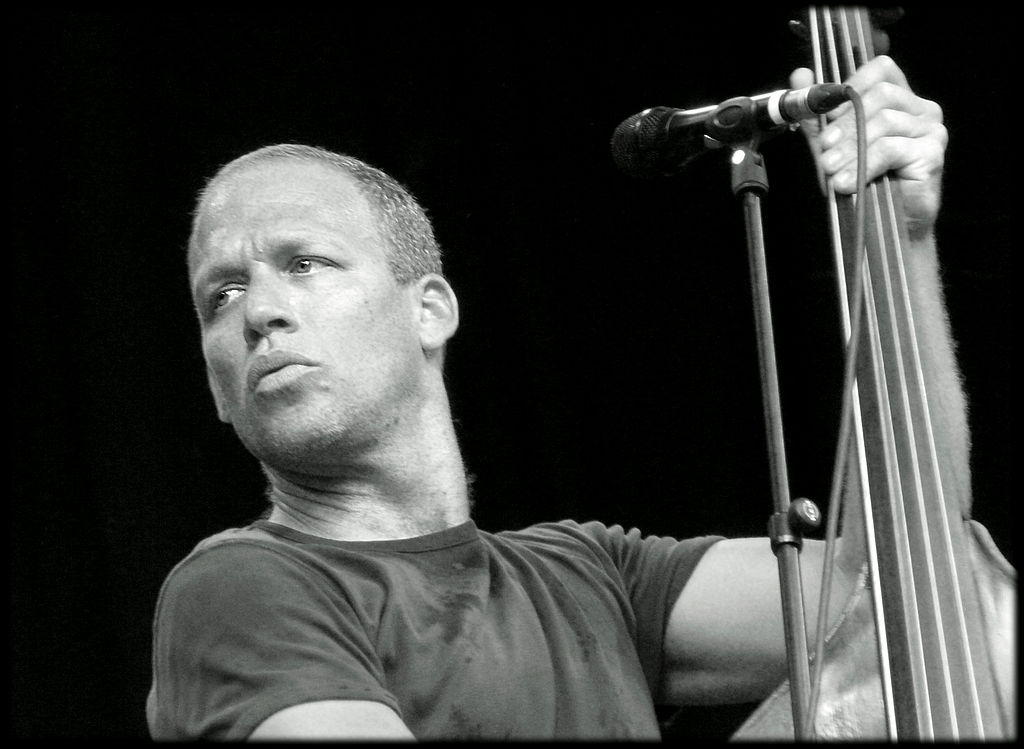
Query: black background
point(605, 367)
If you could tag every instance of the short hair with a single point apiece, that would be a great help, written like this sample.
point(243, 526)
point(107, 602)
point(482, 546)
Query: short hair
point(413, 250)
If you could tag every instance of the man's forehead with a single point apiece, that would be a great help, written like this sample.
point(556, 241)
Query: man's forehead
point(300, 191)
point(282, 178)
point(296, 189)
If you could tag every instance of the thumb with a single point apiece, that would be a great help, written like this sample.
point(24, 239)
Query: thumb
point(801, 78)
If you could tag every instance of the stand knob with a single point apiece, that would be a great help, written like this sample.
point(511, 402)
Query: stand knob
point(804, 515)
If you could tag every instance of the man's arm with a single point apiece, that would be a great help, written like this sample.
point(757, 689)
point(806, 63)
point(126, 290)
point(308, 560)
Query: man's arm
point(333, 719)
point(725, 641)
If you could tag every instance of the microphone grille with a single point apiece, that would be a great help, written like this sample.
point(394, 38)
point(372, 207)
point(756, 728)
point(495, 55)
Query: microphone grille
point(650, 144)
point(635, 139)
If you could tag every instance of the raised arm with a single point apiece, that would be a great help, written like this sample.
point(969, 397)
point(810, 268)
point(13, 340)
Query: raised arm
point(725, 640)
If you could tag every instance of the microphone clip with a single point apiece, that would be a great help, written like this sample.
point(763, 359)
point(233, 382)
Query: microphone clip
point(738, 121)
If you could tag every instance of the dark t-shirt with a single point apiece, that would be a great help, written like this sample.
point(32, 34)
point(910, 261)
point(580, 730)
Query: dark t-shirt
point(555, 631)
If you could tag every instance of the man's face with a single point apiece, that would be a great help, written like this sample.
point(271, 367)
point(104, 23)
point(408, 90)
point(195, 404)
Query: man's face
point(310, 343)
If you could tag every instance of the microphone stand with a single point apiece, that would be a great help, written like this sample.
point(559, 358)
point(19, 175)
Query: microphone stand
point(749, 183)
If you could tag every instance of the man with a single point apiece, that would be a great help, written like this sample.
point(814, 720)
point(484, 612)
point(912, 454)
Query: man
point(367, 604)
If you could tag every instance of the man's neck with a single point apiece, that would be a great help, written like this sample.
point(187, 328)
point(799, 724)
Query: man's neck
point(388, 494)
point(349, 516)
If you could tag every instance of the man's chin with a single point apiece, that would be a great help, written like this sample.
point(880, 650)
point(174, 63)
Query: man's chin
point(294, 443)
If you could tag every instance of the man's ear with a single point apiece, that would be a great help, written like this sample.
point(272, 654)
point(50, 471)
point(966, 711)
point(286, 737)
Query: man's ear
point(437, 312)
point(218, 397)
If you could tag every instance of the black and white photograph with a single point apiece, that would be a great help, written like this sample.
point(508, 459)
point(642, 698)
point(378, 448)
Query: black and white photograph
point(513, 374)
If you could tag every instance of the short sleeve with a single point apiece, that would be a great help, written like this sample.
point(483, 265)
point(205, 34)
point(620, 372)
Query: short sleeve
point(242, 630)
point(653, 570)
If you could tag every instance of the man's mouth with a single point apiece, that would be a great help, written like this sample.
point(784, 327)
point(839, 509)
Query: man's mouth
point(276, 368)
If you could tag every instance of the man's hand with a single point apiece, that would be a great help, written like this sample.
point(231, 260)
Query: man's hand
point(905, 137)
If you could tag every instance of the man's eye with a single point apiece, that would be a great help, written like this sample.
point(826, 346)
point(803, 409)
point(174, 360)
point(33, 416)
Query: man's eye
point(224, 296)
point(305, 265)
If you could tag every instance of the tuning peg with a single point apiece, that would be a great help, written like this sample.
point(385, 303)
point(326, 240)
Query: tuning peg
point(799, 29)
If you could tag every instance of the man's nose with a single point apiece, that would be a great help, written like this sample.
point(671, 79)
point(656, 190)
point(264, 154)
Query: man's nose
point(268, 308)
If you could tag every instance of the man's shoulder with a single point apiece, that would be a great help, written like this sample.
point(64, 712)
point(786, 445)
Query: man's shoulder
point(560, 533)
point(252, 535)
point(590, 535)
point(244, 542)
point(590, 542)
point(248, 545)
point(610, 546)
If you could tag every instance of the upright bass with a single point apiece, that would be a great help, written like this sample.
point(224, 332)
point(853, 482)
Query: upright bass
point(926, 648)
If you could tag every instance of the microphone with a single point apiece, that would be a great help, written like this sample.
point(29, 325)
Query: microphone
point(661, 141)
